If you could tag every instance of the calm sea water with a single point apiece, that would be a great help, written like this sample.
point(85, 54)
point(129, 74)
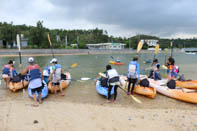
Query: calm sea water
point(90, 65)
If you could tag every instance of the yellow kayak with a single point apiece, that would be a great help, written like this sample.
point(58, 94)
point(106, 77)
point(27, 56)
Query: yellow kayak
point(191, 84)
point(116, 63)
point(14, 86)
point(149, 92)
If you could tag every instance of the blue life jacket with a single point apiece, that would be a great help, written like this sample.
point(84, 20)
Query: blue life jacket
point(6, 70)
point(34, 72)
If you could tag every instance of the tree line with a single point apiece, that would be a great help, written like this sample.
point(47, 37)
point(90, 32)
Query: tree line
point(37, 37)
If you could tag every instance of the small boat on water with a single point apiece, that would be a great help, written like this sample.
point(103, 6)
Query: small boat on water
point(190, 53)
point(186, 95)
point(116, 63)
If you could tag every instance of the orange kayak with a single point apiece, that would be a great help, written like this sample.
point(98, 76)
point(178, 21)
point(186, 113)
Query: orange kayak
point(63, 83)
point(182, 94)
point(14, 86)
point(191, 84)
point(149, 92)
point(116, 63)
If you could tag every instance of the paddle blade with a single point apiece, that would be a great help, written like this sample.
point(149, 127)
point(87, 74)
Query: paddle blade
point(102, 75)
point(85, 78)
point(166, 51)
point(139, 47)
point(156, 48)
point(74, 65)
point(49, 40)
point(164, 67)
point(171, 44)
point(135, 99)
point(18, 42)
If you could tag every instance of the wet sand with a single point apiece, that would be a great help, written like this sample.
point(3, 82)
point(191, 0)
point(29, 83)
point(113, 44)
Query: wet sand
point(83, 109)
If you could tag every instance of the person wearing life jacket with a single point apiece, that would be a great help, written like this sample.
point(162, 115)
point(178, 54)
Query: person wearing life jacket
point(8, 72)
point(155, 71)
point(172, 69)
point(55, 75)
point(133, 74)
point(118, 60)
point(47, 71)
point(113, 81)
point(35, 80)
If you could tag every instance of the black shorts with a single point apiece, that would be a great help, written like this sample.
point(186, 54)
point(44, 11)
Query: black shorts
point(38, 90)
point(55, 83)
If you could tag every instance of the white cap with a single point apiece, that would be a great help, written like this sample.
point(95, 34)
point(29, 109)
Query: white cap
point(30, 59)
point(53, 60)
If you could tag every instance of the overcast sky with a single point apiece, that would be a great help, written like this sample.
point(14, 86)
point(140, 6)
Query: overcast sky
point(163, 18)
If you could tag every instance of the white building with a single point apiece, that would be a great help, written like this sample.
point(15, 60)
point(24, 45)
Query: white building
point(106, 46)
point(150, 42)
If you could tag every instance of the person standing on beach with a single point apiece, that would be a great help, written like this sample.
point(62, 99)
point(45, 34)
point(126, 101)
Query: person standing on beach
point(133, 74)
point(55, 75)
point(8, 72)
point(113, 81)
point(36, 78)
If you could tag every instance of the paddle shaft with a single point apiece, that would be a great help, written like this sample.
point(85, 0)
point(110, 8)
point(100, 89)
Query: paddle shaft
point(20, 57)
point(51, 46)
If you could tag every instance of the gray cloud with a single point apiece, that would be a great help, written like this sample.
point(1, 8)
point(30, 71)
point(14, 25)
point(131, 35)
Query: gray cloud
point(163, 18)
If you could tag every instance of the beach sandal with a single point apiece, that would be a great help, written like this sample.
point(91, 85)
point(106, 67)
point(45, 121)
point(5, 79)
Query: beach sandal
point(62, 94)
point(40, 102)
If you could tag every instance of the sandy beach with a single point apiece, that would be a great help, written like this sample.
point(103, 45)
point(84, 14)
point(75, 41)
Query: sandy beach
point(82, 109)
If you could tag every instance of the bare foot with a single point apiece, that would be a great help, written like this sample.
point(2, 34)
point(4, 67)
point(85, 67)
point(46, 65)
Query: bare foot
point(108, 101)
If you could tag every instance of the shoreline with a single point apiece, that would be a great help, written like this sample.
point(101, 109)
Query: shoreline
point(58, 52)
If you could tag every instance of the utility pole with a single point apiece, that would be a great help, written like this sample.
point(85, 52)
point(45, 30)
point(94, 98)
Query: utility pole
point(66, 41)
point(77, 42)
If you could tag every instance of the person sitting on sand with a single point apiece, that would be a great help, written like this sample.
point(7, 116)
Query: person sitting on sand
point(55, 75)
point(155, 71)
point(36, 78)
point(8, 72)
point(133, 74)
point(113, 81)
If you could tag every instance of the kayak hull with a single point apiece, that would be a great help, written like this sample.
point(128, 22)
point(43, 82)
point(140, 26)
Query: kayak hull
point(187, 84)
point(116, 63)
point(186, 95)
point(15, 86)
point(44, 92)
point(149, 92)
point(102, 90)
